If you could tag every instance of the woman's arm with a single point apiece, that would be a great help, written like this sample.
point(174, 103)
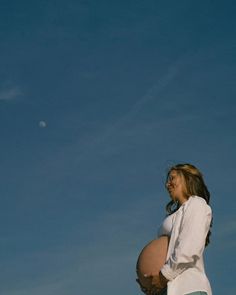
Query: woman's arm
point(190, 242)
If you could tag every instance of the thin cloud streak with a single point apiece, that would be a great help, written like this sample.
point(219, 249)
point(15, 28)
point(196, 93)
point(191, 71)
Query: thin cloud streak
point(10, 94)
point(151, 94)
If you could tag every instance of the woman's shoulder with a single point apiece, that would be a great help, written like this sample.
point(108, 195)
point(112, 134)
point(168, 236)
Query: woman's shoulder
point(197, 202)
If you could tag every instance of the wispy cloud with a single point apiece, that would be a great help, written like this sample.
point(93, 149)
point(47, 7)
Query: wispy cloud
point(152, 93)
point(10, 94)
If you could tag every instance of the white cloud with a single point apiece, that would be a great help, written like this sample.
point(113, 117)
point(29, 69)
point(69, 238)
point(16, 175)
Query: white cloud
point(10, 94)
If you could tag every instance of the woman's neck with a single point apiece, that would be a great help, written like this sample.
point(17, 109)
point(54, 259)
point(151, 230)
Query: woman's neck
point(182, 199)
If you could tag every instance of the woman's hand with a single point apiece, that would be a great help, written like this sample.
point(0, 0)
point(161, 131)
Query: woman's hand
point(144, 290)
point(158, 283)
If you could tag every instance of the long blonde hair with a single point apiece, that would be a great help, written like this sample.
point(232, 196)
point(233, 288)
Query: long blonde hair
point(195, 185)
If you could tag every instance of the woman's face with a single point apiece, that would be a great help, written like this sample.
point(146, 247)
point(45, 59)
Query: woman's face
point(176, 186)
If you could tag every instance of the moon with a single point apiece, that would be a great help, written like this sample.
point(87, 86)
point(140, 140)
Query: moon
point(42, 124)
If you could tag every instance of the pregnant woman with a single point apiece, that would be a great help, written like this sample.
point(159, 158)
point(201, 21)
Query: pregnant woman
point(188, 227)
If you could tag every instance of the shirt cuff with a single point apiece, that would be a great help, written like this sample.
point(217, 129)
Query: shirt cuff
point(168, 273)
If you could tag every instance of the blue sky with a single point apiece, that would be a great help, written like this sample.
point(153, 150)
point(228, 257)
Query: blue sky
point(123, 90)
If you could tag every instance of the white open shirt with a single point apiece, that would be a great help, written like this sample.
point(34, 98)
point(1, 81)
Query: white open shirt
point(187, 228)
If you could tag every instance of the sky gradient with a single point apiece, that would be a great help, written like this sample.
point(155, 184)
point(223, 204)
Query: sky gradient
point(97, 100)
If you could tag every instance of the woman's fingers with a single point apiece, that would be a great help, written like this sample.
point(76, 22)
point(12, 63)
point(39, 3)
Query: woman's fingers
point(144, 290)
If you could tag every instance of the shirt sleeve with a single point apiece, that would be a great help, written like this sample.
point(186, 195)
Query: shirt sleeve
point(190, 243)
